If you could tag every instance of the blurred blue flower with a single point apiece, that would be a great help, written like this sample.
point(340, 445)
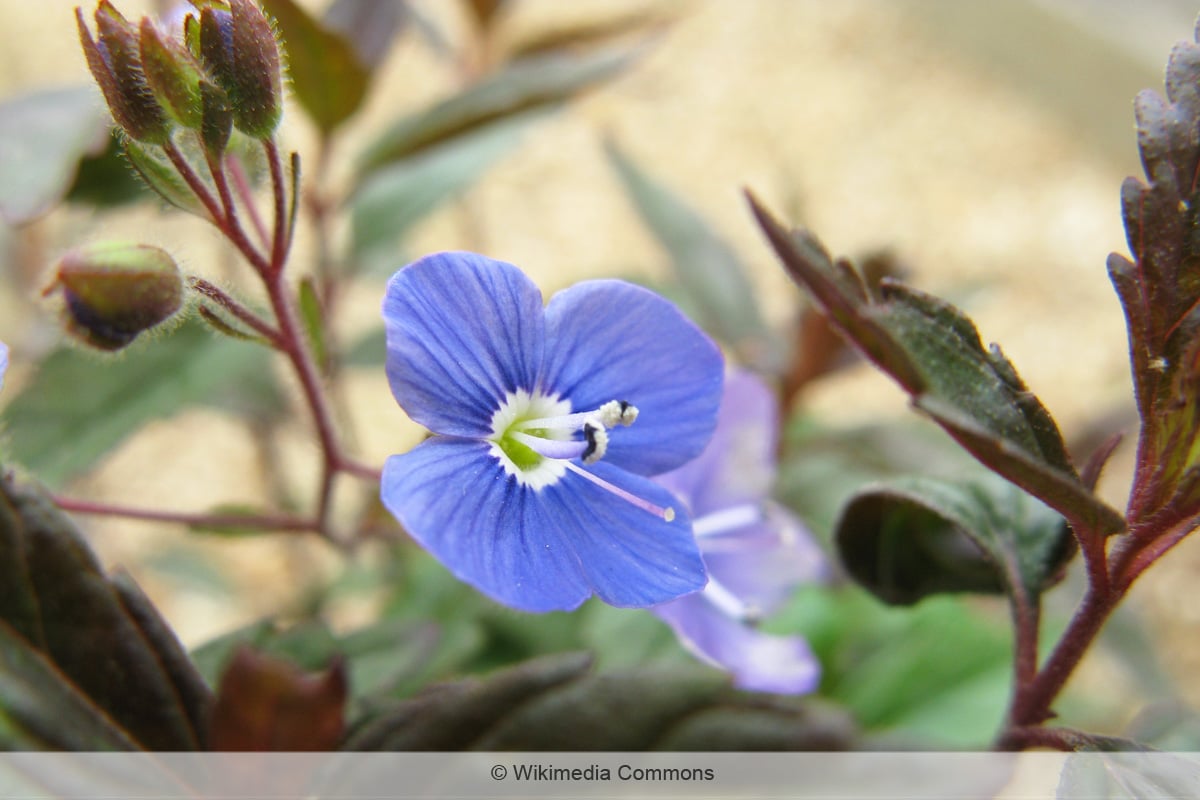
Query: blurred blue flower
point(533, 488)
point(756, 552)
point(3, 362)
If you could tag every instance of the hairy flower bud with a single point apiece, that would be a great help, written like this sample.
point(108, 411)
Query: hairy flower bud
point(172, 74)
point(114, 59)
point(241, 51)
point(114, 290)
point(217, 118)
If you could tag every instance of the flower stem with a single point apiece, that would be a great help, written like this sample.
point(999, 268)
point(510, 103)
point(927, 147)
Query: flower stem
point(282, 523)
point(280, 238)
point(242, 184)
point(239, 311)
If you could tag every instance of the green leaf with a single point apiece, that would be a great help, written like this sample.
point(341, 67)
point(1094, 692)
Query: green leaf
point(80, 406)
point(556, 704)
point(104, 637)
point(934, 675)
point(43, 136)
point(395, 198)
point(710, 272)
point(40, 709)
point(105, 180)
point(934, 352)
point(327, 76)
point(911, 537)
point(821, 468)
point(161, 178)
point(313, 318)
point(535, 83)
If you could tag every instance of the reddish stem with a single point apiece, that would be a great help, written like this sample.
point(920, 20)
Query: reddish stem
point(283, 523)
point(239, 311)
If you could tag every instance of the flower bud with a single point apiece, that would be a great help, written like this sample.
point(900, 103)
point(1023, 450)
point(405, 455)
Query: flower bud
point(241, 51)
point(113, 291)
point(172, 75)
point(115, 62)
point(217, 118)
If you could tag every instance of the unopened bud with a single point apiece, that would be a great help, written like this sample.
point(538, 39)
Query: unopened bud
point(172, 74)
point(114, 59)
point(241, 51)
point(114, 291)
point(217, 123)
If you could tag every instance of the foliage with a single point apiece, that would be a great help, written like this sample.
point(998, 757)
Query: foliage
point(926, 523)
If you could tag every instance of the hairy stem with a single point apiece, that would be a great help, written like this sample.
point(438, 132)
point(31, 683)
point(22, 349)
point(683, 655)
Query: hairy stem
point(239, 311)
point(282, 523)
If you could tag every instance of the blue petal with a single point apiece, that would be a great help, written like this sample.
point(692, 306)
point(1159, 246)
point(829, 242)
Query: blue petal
point(453, 497)
point(610, 340)
point(630, 556)
point(738, 465)
point(757, 661)
point(3, 362)
point(462, 332)
point(762, 564)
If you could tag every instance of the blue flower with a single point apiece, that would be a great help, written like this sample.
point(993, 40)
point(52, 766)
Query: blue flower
point(3, 362)
point(534, 488)
point(756, 552)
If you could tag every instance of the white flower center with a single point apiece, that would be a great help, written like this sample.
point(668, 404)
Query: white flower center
point(534, 438)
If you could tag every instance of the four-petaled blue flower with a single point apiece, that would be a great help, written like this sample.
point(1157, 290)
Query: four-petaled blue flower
point(534, 488)
point(756, 552)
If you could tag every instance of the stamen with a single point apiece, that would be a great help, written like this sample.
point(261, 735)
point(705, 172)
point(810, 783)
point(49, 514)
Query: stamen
point(727, 520)
point(667, 514)
point(552, 448)
point(727, 602)
point(617, 412)
point(597, 442)
point(611, 414)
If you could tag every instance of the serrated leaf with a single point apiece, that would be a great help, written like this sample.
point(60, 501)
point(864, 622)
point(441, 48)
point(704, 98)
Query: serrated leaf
point(58, 431)
point(397, 197)
point(43, 136)
point(555, 704)
point(909, 538)
point(105, 639)
point(327, 76)
point(41, 710)
point(525, 85)
point(706, 266)
point(934, 352)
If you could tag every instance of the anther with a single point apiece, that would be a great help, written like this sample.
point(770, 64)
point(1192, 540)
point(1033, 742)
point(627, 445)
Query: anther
point(597, 442)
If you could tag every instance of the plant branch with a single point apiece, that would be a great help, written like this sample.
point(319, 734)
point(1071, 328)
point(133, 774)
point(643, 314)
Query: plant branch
point(280, 238)
point(282, 523)
point(1031, 705)
point(239, 311)
point(242, 184)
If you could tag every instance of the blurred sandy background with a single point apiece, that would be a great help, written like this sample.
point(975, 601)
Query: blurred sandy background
point(984, 143)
